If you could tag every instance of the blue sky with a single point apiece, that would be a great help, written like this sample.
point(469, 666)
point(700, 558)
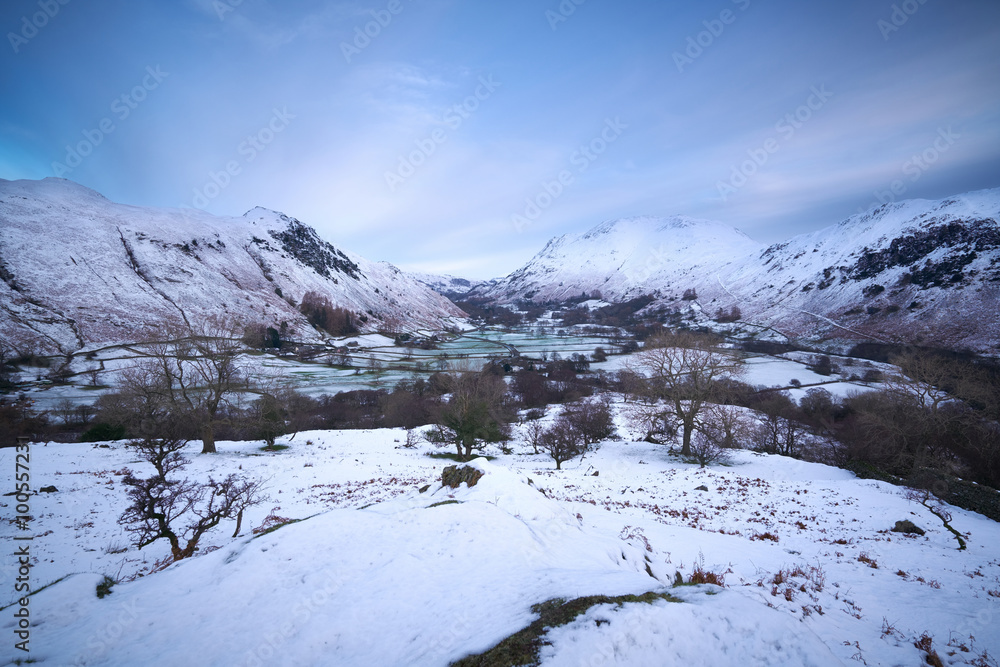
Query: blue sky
point(460, 136)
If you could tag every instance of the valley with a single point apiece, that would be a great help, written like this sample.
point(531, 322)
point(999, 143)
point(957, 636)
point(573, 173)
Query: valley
point(649, 432)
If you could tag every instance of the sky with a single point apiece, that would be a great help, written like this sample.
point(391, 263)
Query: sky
point(458, 137)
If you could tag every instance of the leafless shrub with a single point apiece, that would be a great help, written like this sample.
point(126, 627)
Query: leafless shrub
point(562, 442)
point(180, 511)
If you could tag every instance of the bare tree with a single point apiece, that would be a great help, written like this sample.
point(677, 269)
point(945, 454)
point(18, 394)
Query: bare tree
point(592, 419)
point(726, 425)
point(144, 404)
point(199, 372)
point(930, 390)
point(938, 508)
point(685, 372)
point(533, 434)
point(707, 449)
point(212, 352)
point(267, 419)
point(159, 504)
point(721, 428)
point(184, 385)
point(562, 442)
point(778, 435)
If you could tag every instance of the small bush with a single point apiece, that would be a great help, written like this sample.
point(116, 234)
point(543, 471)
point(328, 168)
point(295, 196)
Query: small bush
point(926, 644)
point(700, 575)
point(863, 557)
point(272, 522)
point(102, 432)
point(769, 536)
point(104, 588)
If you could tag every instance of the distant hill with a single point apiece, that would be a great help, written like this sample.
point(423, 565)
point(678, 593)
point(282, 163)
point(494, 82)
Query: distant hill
point(445, 284)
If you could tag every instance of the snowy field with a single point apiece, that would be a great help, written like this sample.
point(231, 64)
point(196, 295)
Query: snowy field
point(378, 573)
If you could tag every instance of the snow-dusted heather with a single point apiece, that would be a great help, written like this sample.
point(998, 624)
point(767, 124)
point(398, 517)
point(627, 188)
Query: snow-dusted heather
point(378, 573)
point(77, 270)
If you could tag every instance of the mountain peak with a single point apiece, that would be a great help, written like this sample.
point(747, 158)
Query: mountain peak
point(623, 258)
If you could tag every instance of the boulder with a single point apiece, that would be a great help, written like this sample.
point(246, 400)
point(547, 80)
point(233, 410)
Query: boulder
point(453, 476)
point(907, 527)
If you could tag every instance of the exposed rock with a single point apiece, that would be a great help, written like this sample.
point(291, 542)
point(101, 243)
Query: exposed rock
point(453, 476)
point(907, 527)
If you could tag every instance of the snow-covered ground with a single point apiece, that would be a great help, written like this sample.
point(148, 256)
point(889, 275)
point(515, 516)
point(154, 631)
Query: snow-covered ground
point(378, 573)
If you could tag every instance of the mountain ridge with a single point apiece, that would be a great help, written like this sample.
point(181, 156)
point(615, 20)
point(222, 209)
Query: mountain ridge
point(619, 257)
point(917, 271)
point(77, 269)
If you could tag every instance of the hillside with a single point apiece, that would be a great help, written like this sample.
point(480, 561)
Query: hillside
point(918, 271)
point(379, 573)
point(79, 270)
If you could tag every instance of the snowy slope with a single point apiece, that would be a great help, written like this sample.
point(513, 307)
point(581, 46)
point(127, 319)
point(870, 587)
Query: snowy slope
point(378, 573)
point(917, 271)
point(623, 259)
point(444, 283)
point(77, 270)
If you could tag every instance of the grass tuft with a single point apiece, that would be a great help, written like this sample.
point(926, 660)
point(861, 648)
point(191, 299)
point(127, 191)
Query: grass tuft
point(444, 502)
point(522, 647)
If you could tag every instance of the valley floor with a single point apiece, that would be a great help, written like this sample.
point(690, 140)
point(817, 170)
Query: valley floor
point(379, 573)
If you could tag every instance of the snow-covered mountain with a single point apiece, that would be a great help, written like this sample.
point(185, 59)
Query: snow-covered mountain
point(623, 259)
point(444, 283)
point(917, 271)
point(77, 269)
